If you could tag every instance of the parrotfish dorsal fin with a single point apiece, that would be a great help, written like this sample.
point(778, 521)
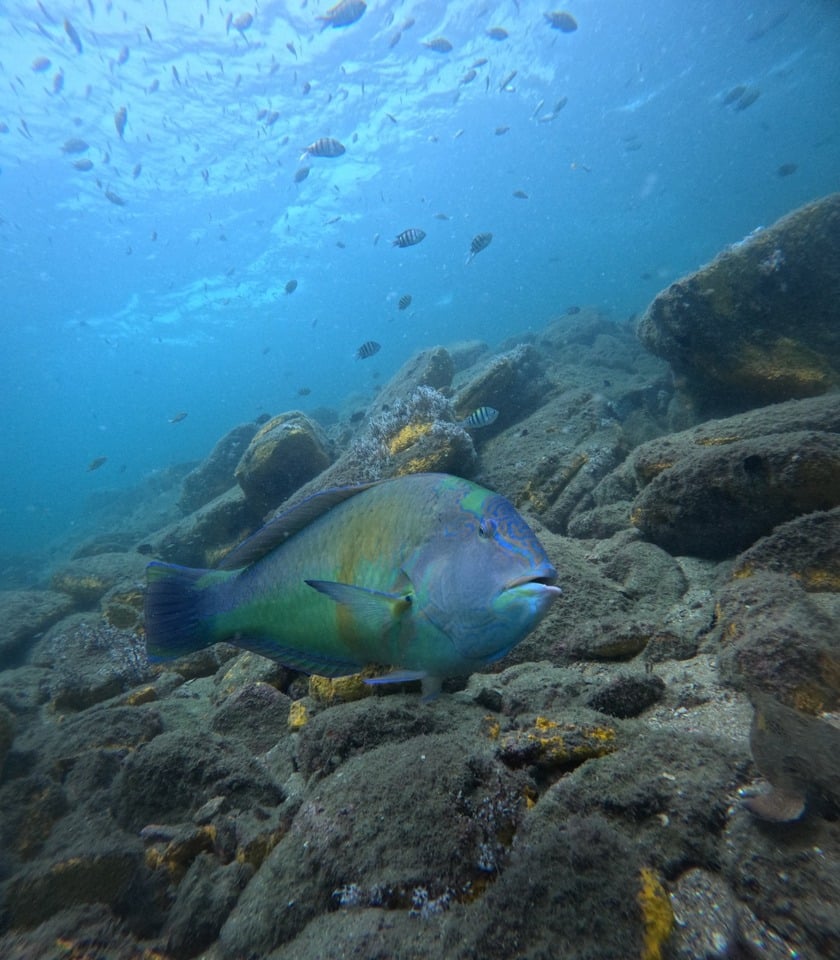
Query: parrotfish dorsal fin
point(286, 524)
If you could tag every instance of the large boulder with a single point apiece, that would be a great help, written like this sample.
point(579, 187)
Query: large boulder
point(285, 452)
point(761, 323)
point(215, 475)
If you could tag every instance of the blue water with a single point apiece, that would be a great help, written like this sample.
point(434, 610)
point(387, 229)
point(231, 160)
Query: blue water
point(117, 318)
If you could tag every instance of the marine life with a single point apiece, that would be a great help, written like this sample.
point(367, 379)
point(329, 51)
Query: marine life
point(561, 20)
point(786, 169)
point(468, 77)
point(291, 286)
point(41, 64)
point(438, 44)
point(115, 198)
point(429, 574)
point(747, 98)
point(96, 464)
point(343, 14)
point(324, 147)
point(58, 82)
point(74, 145)
point(83, 164)
point(120, 118)
point(368, 349)
point(734, 94)
point(481, 241)
point(507, 80)
point(179, 417)
point(497, 33)
point(304, 391)
point(480, 417)
point(70, 30)
point(520, 194)
point(408, 238)
point(572, 310)
point(301, 174)
point(404, 302)
point(242, 22)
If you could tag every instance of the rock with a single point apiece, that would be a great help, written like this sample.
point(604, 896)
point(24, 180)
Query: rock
point(215, 475)
point(284, 453)
point(168, 778)
point(758, 324)
point(628, 695)
point(511, 382)
point(205, 536)
point(253, 714)
point(797, 752)
point(25, 614)
point(429, 368)
point(88, 579)
point(719, 500)
point(92, 662)
point(600, 523)
point(775, 638)
point(807, 548)
point(7, 735)
point(100, 873)
point(205, 897)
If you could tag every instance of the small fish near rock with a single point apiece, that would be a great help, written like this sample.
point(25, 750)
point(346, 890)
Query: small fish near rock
point(561, 20)
point(481, 241)
point(409, 238)
point(324, 147)
point(481, 417)
point(343, 14)
point(368, 349)
point(429, 574)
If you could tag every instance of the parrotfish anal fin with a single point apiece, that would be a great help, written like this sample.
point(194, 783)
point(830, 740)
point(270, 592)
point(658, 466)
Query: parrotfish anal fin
point(286, 524)
point(431, 685)
point(303, 660)
point(379, 611)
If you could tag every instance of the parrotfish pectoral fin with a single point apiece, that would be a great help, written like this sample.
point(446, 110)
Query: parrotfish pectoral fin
point(175, 609)
point(377, 610)
point(431, 685)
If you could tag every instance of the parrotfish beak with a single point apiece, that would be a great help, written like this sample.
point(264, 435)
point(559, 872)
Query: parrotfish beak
point(542, 579)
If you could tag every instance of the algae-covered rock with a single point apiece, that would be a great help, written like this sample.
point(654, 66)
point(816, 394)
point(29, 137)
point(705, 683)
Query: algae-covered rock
point(215, 475)
point(761, 323)
point(719, 500)
point(509, 382)
point(25, 614)
point(88, 579)
point(205, 536)
point(284, 453)
point(807, 548)
point(431, 368)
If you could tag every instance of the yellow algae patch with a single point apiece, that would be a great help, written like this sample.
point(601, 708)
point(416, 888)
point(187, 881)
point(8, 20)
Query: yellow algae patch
point(784, 363)
point(657, 914)
point(490, 727)
point(330, 690)
point(179, 853)
point(298, 715)
point(549, 745)
point(716, 441)
point(138, 697)
point(407, 436)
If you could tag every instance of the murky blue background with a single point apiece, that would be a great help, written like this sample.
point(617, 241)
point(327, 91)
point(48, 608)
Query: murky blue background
point(115, 318)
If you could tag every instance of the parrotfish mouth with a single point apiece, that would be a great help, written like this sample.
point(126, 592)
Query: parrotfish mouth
point(544, 579)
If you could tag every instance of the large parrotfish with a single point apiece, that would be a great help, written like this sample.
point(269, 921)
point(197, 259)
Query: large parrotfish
point(427, 573)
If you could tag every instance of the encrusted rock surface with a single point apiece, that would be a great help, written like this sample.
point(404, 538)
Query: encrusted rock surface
point(760, 323)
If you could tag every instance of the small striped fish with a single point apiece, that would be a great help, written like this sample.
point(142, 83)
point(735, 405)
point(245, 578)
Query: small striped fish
point(481, 417)
point(481, 241)
point(404, 302)
point(324, 147)
point(408, 238)
point(368, 349)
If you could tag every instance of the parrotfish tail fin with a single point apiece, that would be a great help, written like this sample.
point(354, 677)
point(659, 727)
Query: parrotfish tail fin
point(176, 610)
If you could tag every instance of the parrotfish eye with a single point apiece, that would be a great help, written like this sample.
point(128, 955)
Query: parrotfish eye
point(487, 528)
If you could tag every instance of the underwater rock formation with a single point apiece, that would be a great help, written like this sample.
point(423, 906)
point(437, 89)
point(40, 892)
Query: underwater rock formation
point(215, 474)
point(761, 323)
point(283, 454)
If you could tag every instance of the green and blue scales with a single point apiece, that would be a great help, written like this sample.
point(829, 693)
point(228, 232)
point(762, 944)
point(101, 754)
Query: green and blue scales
point(429, 574)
